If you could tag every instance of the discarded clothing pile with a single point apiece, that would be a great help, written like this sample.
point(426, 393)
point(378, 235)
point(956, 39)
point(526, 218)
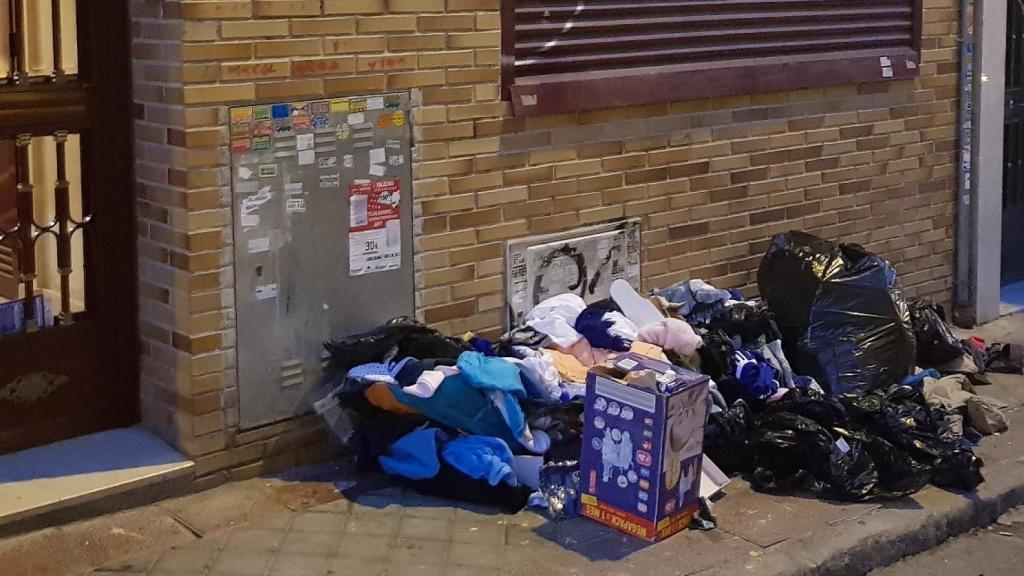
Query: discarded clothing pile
point(832, 384)
point(420, 405)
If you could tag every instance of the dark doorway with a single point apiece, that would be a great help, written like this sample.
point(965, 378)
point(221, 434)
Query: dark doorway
point(68, 329)
point(1013, 149)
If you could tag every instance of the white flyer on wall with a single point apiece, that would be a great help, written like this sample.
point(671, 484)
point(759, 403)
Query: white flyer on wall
point(375, 234)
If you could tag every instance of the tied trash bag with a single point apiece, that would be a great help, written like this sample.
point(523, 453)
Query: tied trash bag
point(399, 337)
point(795, 452)
point(843, 321)
point(882, 445)
point(725, 436)
point(936, 343)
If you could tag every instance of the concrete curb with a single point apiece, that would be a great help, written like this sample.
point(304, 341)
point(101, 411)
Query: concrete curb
point(877, 539)
point(910, 526)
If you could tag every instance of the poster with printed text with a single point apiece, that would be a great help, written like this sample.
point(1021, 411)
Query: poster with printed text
point(375, 233)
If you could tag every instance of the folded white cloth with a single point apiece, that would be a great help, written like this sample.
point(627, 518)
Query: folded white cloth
point(430, 380)
point(556, 317)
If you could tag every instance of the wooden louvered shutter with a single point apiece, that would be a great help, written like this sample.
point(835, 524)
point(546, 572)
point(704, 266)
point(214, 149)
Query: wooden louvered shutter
point(569, 55)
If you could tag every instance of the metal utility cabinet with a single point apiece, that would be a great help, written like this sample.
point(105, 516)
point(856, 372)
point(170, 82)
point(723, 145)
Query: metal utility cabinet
point(322, 204)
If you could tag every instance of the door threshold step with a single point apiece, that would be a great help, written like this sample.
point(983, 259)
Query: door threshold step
point(1012, 296)
point(86, 476)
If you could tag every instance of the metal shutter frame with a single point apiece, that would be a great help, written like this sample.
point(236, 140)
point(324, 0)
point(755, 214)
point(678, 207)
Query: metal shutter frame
point(571, 55)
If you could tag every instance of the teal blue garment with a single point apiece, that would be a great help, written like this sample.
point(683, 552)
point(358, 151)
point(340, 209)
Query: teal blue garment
point(464, 401)
point(481, 457)
point(493, 373)
point(917, 380)
point(497, 375)
point(414, 456)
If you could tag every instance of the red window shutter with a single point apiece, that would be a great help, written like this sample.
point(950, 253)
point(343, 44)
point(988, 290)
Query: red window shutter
point(555, 40)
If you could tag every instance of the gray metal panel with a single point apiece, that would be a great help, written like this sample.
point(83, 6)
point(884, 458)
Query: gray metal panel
point(291, 226)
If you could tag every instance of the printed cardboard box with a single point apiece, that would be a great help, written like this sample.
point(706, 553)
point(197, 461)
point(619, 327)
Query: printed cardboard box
point(640, 470)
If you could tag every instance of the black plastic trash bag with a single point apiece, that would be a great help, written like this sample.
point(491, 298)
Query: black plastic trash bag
point(936, 343)
point(793, 451)
point(961, 469)
point(843, 321)
point(902, 418)
point(877, 446)
point(717, 355)
point(752, 324)
point(402, 335)
point(898, 473)
point(725, 437)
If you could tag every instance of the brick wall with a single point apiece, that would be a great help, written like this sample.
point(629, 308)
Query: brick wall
point(711, 179)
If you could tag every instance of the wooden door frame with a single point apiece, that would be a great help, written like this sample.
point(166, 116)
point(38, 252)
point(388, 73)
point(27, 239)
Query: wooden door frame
point(99, 108)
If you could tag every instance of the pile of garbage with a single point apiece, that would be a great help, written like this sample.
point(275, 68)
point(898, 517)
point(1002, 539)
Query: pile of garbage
point(832, 384)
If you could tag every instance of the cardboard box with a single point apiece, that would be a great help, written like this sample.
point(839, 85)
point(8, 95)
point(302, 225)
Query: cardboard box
point(643, 435)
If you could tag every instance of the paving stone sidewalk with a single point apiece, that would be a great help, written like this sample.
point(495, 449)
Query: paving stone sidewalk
point(397, 532)
point(274, 527)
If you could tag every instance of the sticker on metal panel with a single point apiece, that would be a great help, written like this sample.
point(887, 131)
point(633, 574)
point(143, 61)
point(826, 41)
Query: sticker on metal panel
point(263, 128)
point(320, 122)
point(261, 143)
point(319, 107)
point(391, 102)
point(295, 205)
point(266, 291)
point(268, 170)
point(259, 245)
point(280, 111)
point(384, 121)
point(283, 127)
point(304, 141)
point(261, 113)
point(398, 118)
point(330, 181)
point(241, 146)
point(328, 162)
point(300, 123)
point(241, 130)
point(241, 115)
point(344, 131)
point(339, 106)
point(251, 204)
point(378, 156)
point(357, 105)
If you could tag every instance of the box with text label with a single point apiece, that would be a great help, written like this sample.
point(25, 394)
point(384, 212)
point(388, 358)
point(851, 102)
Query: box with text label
point(642, 446)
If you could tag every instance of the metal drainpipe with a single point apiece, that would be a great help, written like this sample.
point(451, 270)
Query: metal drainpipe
point(964, 234)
